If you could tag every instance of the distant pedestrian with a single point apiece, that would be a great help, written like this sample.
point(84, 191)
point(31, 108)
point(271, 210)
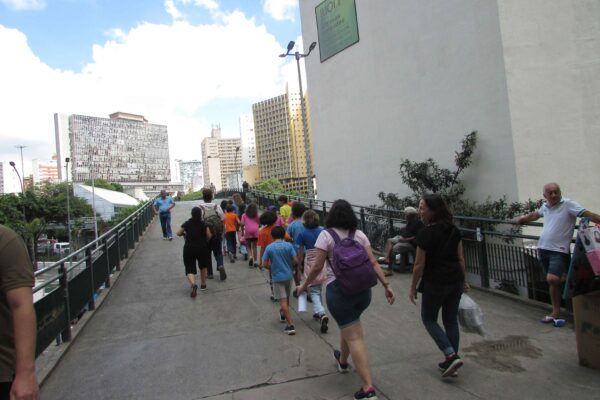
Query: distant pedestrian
point(239, 205)
point(280, 257)
point(232, 223)
point(554, 245)
point(285, 210)
point(306, 240)
point(440, 269)
point(196, 249)
point(17, 319)
point(345, 308)
point(163, 206)
point(250, 224)
point(213, 217)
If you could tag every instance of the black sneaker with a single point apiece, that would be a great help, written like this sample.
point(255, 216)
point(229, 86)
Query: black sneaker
point(450, 366)
point(202, 288)
point(255, 265)
point(343, 368)
point(442, 367)
point(210, 276)
point(281, 317)
point(251, 263)
point(324, 320)
point(273, 298)
point(369, 394)
point(194, 291)
point(289, 329)
point(222, 274)
point(316, 316)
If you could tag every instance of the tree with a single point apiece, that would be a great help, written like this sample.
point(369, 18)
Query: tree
point(104, 184)
point(271, 185)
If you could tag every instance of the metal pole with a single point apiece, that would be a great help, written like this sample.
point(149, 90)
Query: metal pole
point(305, 131)
point(22, 167)
point(67, 160)
point(94, 196)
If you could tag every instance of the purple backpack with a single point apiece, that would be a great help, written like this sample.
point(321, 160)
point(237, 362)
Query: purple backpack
point(351, 265)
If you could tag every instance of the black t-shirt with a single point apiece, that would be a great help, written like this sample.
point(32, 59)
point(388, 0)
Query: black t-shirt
point(440, 243)
point(411, 229)
point(195, 233)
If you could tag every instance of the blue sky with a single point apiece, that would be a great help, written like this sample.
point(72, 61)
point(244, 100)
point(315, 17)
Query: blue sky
point(184, 63)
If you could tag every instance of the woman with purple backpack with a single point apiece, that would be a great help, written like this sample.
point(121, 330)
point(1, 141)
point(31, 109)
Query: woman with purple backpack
point(343, 245)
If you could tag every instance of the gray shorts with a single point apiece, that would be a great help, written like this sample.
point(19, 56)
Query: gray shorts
point(282, 290)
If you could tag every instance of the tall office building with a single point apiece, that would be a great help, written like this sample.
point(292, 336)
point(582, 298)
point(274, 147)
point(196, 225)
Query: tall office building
point(45, 170)
point(280, 150)
point(123, 148)
point(191, 176)
point(248, 140)
point(220, 158)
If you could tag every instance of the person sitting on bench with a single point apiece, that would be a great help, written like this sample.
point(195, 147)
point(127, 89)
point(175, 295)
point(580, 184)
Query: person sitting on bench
point(404, 243)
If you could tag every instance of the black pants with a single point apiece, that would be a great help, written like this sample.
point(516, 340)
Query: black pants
point(5, 390)
point(217, 250)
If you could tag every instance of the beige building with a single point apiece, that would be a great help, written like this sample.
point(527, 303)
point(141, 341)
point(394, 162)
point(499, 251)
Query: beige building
point(420, 75)
point(280, 150)
point(221, 157)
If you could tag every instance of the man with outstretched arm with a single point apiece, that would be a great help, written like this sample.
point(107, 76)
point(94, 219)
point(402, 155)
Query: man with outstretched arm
point(163, 206)
point(554, 244)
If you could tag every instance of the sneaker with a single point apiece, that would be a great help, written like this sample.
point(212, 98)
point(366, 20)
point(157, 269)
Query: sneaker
point(169, 239)
point(289, 329)
point(451, 365)
point(442, 367)
point(343, 368)
point(251, 262)
point(255, 265)
point(194, 291)
point(202, 288)
point(273, 298)
point(281, 316)
point(369, 394)
point(231, 259)
point(316, 316)
point(222, 274)
point(324, 320)
point(210, 276)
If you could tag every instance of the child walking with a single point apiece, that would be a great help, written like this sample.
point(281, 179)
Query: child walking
point(250, 224)
point(196, 249)
point(306, 240)
point(293, 229)
point(282, 257)
point(232, 222)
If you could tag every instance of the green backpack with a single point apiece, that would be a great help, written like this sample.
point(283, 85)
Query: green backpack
point(212, 219)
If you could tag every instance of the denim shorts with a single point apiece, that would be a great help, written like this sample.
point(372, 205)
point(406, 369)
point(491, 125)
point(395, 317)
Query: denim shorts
point(346, 309)
point(554, 262)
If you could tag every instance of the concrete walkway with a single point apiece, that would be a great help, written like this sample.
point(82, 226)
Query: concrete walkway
point(150, 340)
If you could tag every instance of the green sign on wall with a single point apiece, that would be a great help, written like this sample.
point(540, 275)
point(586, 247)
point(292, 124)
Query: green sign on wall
point(337, 26)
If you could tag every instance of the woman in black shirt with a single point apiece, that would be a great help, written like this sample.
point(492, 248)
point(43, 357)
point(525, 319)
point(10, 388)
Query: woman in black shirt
point(196, 249)
point(440, 268)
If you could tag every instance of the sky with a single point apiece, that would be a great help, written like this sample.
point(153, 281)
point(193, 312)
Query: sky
point(187, 64)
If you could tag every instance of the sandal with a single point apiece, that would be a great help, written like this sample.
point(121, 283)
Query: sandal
point(547, 320)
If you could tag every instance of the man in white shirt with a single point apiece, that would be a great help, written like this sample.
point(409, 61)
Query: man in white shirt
point(555, 240)
point(208, 208)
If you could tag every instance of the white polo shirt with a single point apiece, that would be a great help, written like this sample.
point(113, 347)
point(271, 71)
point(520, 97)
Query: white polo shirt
point(559, 221)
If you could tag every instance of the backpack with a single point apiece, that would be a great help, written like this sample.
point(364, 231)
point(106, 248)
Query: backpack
point(212, 219)
point(351, 264)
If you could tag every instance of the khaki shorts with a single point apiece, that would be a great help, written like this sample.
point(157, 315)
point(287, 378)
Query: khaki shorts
point(282, 290)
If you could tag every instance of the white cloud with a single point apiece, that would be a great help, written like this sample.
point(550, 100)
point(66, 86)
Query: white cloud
point(281, 10)
point(167, 73)
point(21, 5)
point(172, 9)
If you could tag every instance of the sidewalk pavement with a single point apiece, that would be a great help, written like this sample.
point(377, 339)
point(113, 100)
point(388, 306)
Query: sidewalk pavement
point(150, 340)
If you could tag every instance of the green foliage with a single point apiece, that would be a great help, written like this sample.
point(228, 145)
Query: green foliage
point(271, 185)
point(122, 214)
point(192, 196)
point(103, 184)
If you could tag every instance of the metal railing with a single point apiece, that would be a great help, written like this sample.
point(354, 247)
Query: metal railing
point(496, 257)
point(67, 287)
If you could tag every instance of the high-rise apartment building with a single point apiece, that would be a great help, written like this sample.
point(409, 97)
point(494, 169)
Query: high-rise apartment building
point(220, 158)
point(280, 150)
point(191, 176)
point(248, 140)
point(124, 148)
point(45, 170)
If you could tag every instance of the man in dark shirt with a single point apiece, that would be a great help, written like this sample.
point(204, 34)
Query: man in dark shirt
point(405, 243)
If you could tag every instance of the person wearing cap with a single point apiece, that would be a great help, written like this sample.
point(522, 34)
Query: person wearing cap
point(405, 242)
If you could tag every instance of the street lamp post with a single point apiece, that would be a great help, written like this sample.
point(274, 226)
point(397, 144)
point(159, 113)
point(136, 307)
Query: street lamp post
point(237, 172)
point(298, 56)
point(67, 160)
point(12, 164)
point(22, 168)
point(94, 150)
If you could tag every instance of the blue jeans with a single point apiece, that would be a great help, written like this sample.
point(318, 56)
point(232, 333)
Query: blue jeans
point(447, 298)
point(231, 238)
point(315, 296)
point(165, 224)
point(217, 250)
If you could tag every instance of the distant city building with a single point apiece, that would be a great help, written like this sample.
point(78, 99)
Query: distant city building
point(124, 148)
point(220, 158)
point(248, 140)
point(190, 175)
point(45, 170)
point(280, 150)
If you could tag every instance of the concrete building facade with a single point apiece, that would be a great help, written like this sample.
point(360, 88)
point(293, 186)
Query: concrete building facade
point(525, 75)
point(221, 157)
point(248, 140)
point(45, 170)
point(191, 175)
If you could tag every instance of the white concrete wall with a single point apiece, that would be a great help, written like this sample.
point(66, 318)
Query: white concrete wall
point(552, 57)
point(422, 76)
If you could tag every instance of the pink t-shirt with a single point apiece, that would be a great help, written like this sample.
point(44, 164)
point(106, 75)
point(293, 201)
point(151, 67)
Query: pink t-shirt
point(250, 227)
point(326, 242)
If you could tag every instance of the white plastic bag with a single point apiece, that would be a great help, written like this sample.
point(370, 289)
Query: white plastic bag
point(470, 315)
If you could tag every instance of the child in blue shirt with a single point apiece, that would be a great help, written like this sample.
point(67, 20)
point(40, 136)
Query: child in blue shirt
point(282, 257)
point(293, 229)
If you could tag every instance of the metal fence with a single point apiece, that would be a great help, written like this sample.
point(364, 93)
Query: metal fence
point(496, 257)
point(65, 288)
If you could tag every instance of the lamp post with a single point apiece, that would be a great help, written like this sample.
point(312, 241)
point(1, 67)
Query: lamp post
point(237, 171)
point(298, 56)
point(12, 164)
point(67, 160)
point(22, 168)
point(94, 150)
